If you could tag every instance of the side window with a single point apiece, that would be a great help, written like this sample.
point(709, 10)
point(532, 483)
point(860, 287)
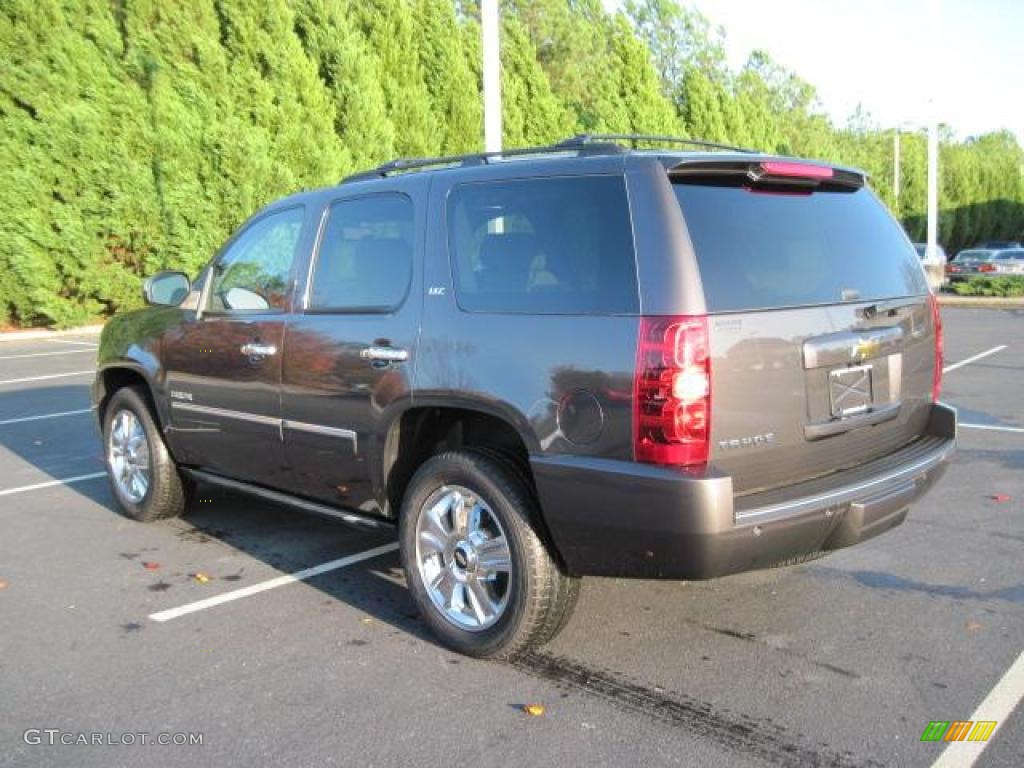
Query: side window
point(254, 273)
point(365, 258)
point(543, 246)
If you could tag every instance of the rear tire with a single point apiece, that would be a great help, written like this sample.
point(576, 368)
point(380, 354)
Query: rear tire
point(476, 564)
point(142, 474)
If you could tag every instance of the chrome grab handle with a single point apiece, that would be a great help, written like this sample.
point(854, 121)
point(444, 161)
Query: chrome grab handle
point(385, 354)
point(254, 349)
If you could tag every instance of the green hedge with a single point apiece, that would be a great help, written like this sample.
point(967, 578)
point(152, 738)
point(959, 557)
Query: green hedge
point(990, 286)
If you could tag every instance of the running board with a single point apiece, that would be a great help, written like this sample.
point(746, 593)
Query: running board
point(355, 519)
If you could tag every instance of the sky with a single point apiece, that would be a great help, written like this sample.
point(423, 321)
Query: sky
point(878, 53)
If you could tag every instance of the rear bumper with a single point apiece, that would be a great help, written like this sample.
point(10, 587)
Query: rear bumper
point(617, 518)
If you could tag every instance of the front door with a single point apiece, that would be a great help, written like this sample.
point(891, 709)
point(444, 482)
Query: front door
point(348, 353)
point(224, 367)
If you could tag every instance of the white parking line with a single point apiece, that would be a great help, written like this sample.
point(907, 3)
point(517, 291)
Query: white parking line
point(997, 706)
point(280, 581)
point(51, 483)
point(44, 416)
point(48, 376)
point(48, 354)
point(69, 341)
point(973, 359)
point(992, 428)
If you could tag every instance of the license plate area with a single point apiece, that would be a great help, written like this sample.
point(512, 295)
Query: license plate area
point(850, 390)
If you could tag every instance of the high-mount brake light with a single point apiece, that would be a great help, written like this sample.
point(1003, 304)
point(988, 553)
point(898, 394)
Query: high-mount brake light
point(672, 391)
point(796, 170)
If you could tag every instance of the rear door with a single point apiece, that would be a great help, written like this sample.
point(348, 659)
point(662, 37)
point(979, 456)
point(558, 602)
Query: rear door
point(820, 323)
point(348, 352)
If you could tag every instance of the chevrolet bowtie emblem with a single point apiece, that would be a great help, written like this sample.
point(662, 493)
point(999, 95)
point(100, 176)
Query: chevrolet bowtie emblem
point(865, 348)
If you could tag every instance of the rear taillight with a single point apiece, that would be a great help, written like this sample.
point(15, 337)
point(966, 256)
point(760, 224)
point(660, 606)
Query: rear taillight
point(937, 330)
point(672, 391)
point(952, 268)
point(987, 268)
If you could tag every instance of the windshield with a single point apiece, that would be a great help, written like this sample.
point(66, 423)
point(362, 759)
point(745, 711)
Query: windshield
point(757, 249)
point(1018, 254)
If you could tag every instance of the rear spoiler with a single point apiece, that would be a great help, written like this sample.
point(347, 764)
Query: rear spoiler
point(771, 172)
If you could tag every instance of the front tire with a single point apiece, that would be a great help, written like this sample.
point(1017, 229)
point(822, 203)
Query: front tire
point(477, 567)
point(142, 474)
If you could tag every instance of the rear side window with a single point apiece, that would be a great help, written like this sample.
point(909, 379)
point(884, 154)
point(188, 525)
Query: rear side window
point(543, 246)
point(759, 249)
point(365, 258)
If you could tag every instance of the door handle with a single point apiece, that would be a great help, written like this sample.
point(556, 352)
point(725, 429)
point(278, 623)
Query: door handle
point(254, 349)
point(385, 354)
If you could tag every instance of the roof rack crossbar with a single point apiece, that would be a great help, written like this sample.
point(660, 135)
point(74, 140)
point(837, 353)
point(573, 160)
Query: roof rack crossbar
point(634, 138)
point(403, 165)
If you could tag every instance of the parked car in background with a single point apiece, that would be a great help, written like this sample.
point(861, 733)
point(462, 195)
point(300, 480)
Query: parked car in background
point(1009, 261)
point(544, 364)
point(986, 262)
point(970, 263)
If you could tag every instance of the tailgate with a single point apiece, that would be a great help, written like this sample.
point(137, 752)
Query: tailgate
point(803, 392)
point(820, 327)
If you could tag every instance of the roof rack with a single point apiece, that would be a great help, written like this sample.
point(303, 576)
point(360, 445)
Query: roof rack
point(584, 143)
point(634, 138)
point(403, 165)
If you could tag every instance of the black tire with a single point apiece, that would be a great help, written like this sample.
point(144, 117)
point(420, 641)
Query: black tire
point(166, 495)
point(564, 603)
point(540, 596)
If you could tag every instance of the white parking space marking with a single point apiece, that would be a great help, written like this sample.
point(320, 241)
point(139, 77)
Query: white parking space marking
point(989, 427)
point(52, 483)
point(48, 354)
point(70, 341)
point(974, 359)
point(48, 376)
point(997, 706)
point(280, 581)
point(42, 416)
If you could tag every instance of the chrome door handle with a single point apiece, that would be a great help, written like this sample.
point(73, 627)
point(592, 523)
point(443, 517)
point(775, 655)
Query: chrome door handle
point(258, 350)
point(385, 354)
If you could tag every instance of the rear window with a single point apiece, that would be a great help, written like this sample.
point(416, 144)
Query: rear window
point(559, 245)
point(760, 249)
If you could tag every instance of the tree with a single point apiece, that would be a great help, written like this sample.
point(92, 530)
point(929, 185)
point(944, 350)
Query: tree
point(389, 30)
point(352, 75)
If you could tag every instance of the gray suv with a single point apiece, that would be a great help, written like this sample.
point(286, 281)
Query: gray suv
point(582, 359)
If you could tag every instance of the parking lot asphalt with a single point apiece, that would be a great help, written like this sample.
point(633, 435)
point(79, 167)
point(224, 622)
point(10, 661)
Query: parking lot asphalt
point(839, 662)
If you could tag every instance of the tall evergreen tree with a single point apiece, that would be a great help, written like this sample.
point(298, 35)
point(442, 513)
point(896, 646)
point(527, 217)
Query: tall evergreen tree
point(390, 32)
point(352, 75)
point(454, 93)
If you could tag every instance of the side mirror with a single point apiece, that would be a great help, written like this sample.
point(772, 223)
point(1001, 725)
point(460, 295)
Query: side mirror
point(167, 289)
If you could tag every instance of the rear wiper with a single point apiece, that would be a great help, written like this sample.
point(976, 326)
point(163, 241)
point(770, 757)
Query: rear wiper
point(889, 306)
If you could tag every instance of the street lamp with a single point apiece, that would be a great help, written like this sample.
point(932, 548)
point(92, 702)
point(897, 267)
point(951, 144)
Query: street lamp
point(489, 24)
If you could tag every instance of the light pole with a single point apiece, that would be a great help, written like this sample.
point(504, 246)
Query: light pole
point(489, 24)
point(931, 251)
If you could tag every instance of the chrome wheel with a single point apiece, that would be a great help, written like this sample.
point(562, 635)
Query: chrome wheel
point(128, 456)
point(463, 558)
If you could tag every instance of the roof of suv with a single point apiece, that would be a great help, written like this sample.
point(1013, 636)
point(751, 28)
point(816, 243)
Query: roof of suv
point(588, 145)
